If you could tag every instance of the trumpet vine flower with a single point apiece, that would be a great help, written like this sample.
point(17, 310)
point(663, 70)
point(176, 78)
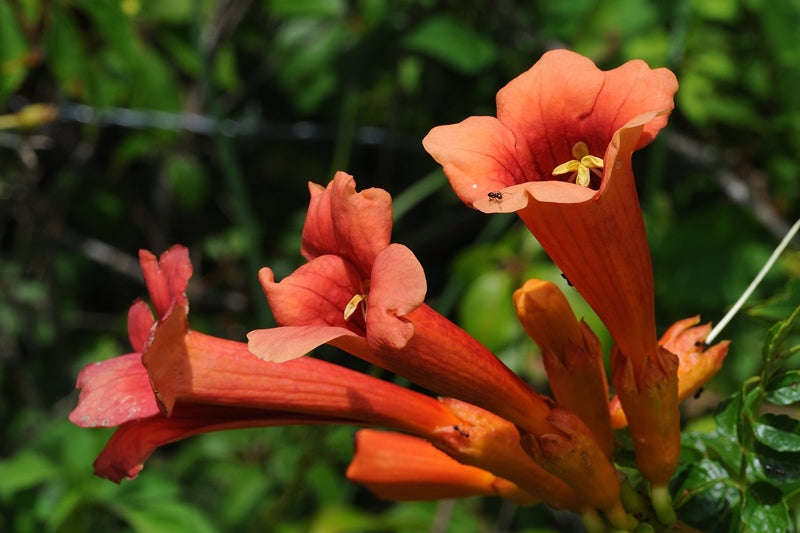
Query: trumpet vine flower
point(353, 266)
point(559, 154)
point(180, 382)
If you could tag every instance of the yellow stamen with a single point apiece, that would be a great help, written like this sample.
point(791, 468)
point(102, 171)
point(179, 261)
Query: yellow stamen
point(352, 305)
point(581, 165)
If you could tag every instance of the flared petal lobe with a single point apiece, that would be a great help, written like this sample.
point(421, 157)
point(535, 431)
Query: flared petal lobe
point(353, 225)
point(166, 277)
point(562, 100)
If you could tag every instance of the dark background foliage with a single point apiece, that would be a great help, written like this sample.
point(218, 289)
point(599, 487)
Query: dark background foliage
point(200, 122)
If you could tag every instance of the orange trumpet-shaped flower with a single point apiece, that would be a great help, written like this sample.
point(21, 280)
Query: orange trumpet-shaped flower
point(697, 363)
point(571, 354)
point(546, 118)
point(560, 118)
point(396, 466)
point(364, 295)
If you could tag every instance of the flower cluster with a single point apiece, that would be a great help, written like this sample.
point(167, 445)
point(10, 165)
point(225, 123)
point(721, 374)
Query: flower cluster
point(559, 155)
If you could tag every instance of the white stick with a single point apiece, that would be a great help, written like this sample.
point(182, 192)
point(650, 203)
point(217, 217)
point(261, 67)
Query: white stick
point(746, 294)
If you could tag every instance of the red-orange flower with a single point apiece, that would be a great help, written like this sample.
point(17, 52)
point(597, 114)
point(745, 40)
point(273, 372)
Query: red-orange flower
point(595, 233)
point(559, 154)
point(203, 383)
point(364, 295)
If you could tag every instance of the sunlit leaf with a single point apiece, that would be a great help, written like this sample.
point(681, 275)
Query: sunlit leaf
point(784, 389)
point(779, 432)
point(454, 44)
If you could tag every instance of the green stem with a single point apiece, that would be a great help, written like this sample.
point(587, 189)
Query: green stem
point(662, 504)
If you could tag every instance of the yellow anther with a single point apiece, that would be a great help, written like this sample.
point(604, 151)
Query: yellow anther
point(352, 305)
point(581, 165)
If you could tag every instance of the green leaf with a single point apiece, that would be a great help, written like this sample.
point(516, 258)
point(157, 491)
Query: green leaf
point(486, 311)
point(764, 510)
point(24, 470)
point(779, 468)
point(705, 498)
point(728, 416)
point(452, 43)
point(779, 432)
point(784, 389)
point(188, 179)
point(307, 8)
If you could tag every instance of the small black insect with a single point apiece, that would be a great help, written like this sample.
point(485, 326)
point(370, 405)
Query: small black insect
point(461, 431)
point(566, 279)
point(698, 393)
point(701, 344)
point(495, 195)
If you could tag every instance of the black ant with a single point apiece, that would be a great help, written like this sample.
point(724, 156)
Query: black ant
point(495, 195)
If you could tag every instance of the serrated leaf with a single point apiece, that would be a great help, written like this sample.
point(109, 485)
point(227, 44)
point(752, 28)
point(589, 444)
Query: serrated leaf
point(784, 389)
point(452, 43)
point(779, 432)
point(764, 510)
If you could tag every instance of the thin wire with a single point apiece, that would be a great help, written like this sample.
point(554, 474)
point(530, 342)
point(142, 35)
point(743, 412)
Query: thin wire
point(746, 294)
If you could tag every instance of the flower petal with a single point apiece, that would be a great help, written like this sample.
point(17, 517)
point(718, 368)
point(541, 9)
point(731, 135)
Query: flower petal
point(125, 453)
point(350, 224)
point(285, 343)
point(167, 277)
point(140, 323)
point(113, 392)
point(397, 288)
point(314, 294)
point(564, 99)
point(478, 156)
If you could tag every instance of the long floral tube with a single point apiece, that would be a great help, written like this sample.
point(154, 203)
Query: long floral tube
point(396, 466)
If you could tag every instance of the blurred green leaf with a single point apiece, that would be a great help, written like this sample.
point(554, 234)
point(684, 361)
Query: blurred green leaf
point(486, 311)
point(165, 516)
point(307, 8)
point(24, 470)
point(457, 46)
point(188, 180)
point(764, 510)
point(13, 49)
